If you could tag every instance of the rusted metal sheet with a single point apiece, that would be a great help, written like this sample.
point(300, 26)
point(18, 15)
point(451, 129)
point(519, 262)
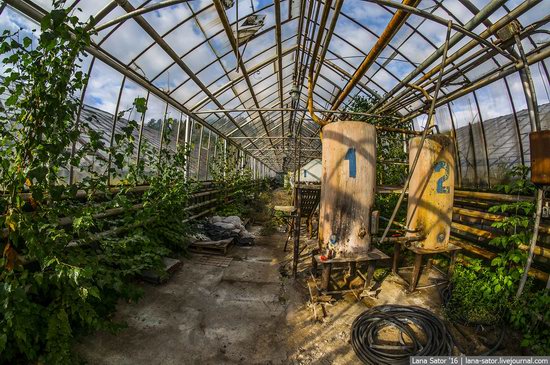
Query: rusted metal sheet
point(540, 157)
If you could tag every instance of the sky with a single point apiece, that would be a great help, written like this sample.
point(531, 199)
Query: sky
point(132, 46)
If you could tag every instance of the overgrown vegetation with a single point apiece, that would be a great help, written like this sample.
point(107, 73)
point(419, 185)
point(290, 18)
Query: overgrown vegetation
point(234, 181)
point(59, 276)
point(485, 294)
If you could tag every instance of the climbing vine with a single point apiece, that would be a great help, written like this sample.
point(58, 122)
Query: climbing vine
point(234, 181)
point(484, 293)
point(66, 259)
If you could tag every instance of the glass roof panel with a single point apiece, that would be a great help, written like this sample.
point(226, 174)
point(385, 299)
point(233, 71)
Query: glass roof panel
point(200, 39)
point(154, 61)
point(185, 37)
point(127, 41)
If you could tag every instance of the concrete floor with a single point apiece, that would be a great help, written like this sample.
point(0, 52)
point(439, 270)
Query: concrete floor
point(246, 313)
point(203, 315)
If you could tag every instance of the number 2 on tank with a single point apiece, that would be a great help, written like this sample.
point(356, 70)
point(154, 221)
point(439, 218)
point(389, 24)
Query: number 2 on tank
point(442, 165)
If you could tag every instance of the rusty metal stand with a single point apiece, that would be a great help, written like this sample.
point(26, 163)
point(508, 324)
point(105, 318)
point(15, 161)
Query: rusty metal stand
point(326, 266)
point(419, 254)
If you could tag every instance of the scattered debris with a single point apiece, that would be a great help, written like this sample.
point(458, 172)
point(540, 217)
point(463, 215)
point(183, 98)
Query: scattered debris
point(220, 228)
point(213, 247)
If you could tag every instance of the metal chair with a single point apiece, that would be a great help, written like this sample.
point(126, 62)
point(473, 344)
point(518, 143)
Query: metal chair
point(309, 198)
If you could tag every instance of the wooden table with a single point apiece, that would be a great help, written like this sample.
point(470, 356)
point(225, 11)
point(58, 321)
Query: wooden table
point(419, 254)
point(326, 266)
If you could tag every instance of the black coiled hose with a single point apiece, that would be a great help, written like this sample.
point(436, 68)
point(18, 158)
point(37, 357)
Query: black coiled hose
point(365, 330)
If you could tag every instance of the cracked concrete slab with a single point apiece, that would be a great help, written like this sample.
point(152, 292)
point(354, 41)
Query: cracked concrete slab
point(203, 315)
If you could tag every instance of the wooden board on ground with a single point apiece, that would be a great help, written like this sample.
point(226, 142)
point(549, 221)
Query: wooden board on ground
point(170, 267)
point(211, 247)
point(210, 260)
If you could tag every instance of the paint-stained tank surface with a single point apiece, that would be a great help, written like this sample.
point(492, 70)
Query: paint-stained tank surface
point(348, 186)
point(431, 190)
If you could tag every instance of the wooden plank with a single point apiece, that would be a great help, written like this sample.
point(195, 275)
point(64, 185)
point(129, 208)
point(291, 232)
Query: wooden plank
point(212, 247)
point(491, 196)
point(536, 273)
point(375, 254)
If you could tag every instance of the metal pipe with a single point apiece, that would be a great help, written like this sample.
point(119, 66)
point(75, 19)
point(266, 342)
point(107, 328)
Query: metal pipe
point(472, 61)
point(497, 75)
point(162, 131)
point(532, 106)
point(213, 111)
point(330, 32)
point(113, 130)
point(298, 206)
point(424, 135)
point(178, 132)
point(519, 10)
point(387, 35)
point(270, 138)
point(137, 12)
point(199, 155)
point(311, 84)
point(77, 123)
point(483, 139)
point(187, 141)
point(227, 27)
point(528, 88)
point(277, 5)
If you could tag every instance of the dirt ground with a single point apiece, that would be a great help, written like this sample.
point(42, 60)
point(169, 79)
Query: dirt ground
point(249, 312)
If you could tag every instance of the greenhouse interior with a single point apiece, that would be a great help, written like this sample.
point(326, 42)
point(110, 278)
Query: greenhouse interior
point(274, 182)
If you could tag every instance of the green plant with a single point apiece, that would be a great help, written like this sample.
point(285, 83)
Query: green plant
point(485, 293)
point(235, 184)
point(390, 150)
point(530, 315)
point(58, 280)
point(516, 230)
point(166, 200)
point(473, 299)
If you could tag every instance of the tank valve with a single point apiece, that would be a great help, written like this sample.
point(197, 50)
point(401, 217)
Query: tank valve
point(362, 233)
point(441, 237)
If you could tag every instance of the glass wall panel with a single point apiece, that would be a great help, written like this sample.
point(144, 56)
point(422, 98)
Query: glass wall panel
point(500, 127)
point(196, 132)
point(150, 138)
point(469, 136)
point(204, 148)
point(127, 112)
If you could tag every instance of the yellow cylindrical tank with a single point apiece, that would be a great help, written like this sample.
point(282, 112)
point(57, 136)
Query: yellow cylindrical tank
point(348, 185)
point(431, 190)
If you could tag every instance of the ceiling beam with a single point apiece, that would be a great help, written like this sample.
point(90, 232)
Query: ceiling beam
point(231, 36)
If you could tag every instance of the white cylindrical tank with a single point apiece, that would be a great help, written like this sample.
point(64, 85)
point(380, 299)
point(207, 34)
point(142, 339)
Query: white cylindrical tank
point(431, 190)
point(348, 185)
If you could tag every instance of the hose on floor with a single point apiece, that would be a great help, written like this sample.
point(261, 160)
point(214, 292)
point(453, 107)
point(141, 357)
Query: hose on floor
point(434, 339)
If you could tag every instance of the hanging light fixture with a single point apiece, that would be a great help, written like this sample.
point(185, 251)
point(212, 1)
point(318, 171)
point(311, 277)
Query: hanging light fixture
point(295, 93)
point(228, 4)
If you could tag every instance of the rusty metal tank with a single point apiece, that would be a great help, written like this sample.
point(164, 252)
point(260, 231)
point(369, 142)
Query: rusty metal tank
point(431, 191)
point(348, 185)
